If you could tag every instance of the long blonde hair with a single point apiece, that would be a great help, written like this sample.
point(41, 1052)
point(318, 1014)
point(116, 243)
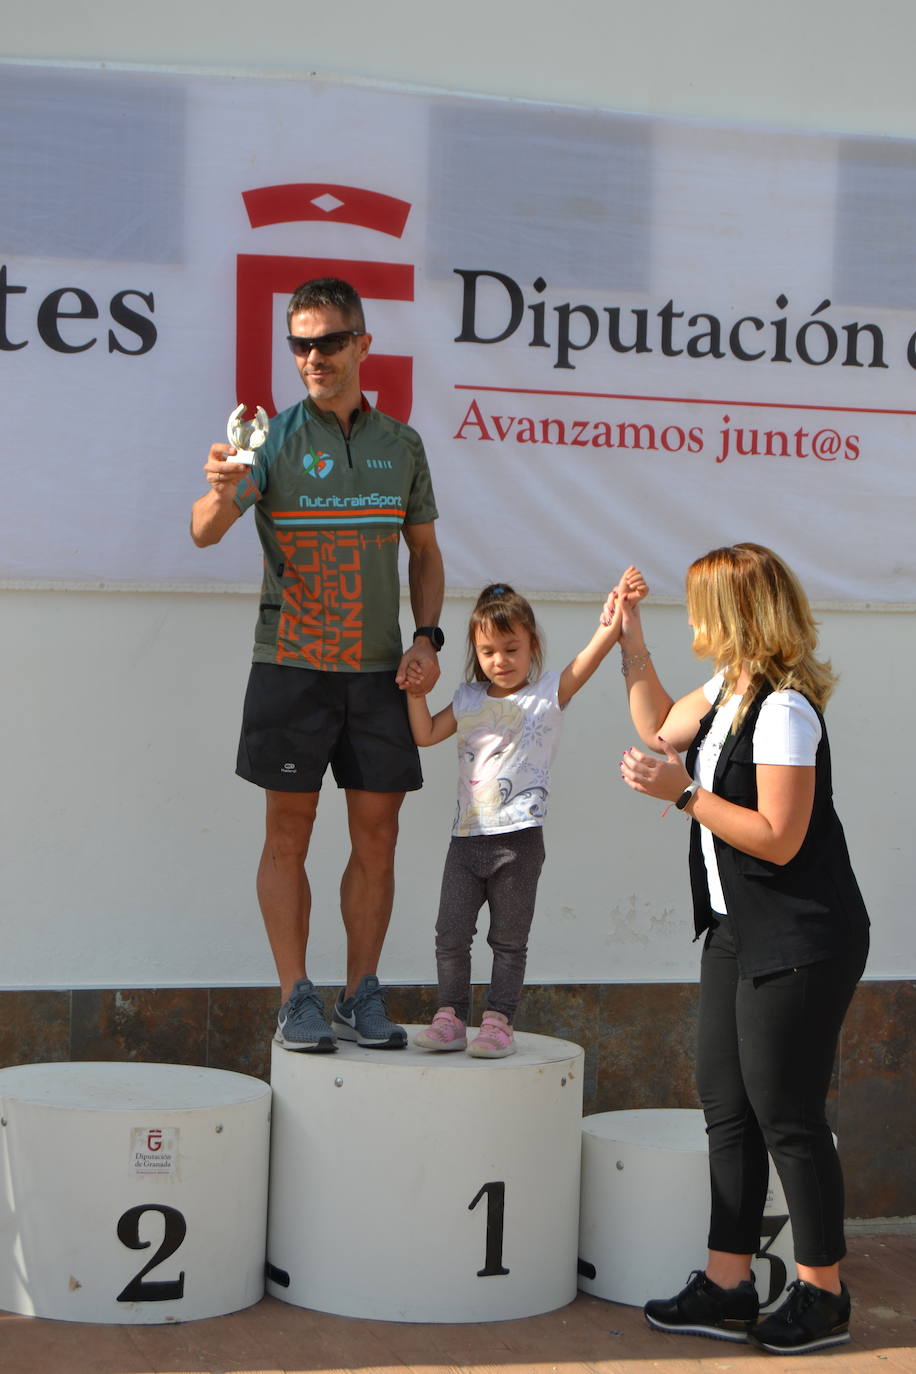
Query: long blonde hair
point(748, 610)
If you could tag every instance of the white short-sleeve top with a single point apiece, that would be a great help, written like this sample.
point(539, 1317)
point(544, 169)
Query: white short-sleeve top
point(506, 746)
point(788, 731)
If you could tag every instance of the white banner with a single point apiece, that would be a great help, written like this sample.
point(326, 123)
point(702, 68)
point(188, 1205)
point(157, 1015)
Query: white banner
point(622, 338)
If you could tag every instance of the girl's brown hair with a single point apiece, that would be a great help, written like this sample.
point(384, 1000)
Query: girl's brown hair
point(501, 608)
point(748, 610)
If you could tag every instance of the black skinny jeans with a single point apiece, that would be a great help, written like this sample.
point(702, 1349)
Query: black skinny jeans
point(765, 1054)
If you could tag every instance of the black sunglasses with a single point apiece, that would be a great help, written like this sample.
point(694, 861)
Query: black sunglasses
point(326, 344)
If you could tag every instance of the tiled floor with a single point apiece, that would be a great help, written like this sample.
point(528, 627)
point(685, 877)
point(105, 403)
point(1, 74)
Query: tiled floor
point(589, 1335)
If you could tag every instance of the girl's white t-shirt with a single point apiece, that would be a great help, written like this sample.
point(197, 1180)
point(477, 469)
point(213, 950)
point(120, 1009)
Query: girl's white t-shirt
point(787, 732)
point(506, 746)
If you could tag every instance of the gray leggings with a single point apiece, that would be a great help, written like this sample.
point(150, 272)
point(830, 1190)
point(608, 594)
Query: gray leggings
point(502, 870)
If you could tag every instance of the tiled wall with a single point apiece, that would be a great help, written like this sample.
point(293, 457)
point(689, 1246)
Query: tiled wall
point(638, 1040)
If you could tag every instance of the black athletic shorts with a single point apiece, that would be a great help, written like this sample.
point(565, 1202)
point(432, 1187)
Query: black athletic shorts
point(296, 721)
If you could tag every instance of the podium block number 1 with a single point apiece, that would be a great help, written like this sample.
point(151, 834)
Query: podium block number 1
point(141, 1289)
point(496, 1211)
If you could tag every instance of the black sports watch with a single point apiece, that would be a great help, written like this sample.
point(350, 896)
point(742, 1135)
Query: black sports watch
point(432, 633)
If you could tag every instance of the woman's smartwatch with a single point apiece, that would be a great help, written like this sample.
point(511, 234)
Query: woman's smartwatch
point(432, 633)
point(685, 796)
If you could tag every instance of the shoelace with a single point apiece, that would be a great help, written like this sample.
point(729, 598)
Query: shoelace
point(372, 1004)
point(799, 1298)
point(300, 1000)
point(698, 1282)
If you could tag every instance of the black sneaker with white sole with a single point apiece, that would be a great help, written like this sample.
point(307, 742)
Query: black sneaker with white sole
point(809, 1319)
point(702, 1308)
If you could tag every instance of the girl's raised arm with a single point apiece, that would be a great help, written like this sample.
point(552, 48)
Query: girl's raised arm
point(577, 673)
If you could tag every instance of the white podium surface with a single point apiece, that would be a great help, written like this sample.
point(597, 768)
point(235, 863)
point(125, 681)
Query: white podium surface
point(131, 1193)
point(645, 1209)
point(408, 1185)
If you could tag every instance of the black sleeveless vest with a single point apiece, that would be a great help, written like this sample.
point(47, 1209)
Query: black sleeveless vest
point(782, 915)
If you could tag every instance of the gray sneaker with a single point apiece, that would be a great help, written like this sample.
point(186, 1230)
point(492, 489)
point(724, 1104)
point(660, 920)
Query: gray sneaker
point(363, 1018)
point(301, 1024)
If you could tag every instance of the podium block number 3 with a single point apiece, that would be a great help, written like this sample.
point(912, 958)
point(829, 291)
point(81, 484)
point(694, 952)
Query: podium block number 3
point(496, 1210)
point(769, 1231)
point(141, 1289)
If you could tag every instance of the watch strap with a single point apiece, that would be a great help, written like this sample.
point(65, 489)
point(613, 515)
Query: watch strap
point(685, 796)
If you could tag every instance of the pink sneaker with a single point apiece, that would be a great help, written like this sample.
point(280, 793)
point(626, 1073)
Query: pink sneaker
point(495, 1040)
point(445, 1033)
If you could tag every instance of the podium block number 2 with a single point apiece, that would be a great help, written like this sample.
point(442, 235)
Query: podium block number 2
point(496, 1210)
point(141, 1289)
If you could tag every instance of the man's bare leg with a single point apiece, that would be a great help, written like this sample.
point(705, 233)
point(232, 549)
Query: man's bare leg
point(283, 887)
point(367, 886)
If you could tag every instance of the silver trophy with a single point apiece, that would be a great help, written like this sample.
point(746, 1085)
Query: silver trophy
point(247, 435)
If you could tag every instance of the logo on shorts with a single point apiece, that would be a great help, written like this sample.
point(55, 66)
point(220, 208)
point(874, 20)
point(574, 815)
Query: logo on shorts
point(317, 464)
point(288, 768)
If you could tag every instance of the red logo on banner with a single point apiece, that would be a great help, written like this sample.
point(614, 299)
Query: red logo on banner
point(154, 1140)
point(260, 277)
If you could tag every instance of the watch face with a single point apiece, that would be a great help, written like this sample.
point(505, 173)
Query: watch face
point(432, 633)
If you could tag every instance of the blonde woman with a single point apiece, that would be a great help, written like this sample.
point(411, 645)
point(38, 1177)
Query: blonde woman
point(785, 933)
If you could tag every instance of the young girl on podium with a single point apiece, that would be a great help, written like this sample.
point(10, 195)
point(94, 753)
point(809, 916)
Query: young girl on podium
point(507, 717)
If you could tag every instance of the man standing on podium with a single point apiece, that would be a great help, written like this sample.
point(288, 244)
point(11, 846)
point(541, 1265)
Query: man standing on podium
point(335, 487)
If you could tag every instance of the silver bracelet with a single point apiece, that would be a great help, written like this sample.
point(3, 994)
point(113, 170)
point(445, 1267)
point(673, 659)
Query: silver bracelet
point(638, 661)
